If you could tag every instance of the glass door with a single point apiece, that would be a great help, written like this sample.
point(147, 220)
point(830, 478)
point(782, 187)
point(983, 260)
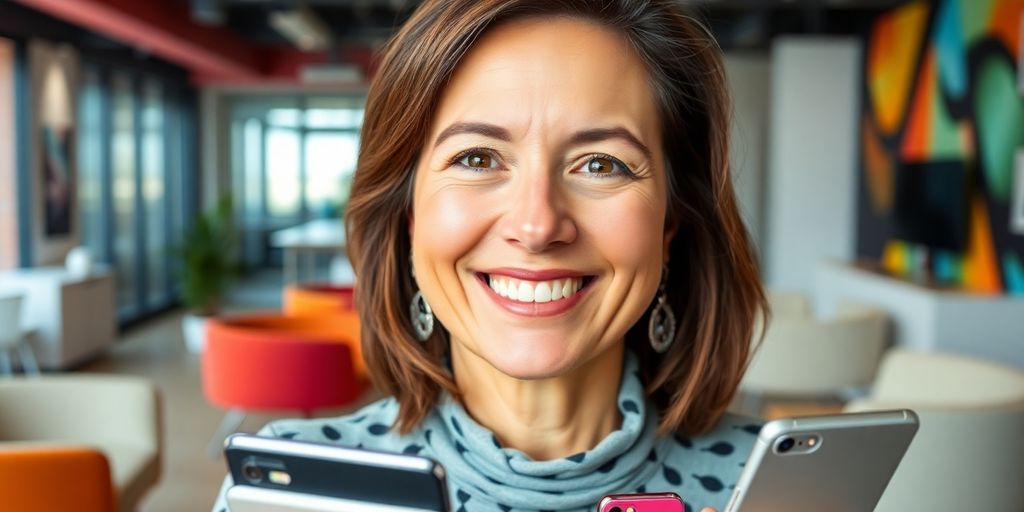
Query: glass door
point(122, 143)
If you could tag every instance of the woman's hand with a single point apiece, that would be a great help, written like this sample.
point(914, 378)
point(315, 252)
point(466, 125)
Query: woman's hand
point(708, 509)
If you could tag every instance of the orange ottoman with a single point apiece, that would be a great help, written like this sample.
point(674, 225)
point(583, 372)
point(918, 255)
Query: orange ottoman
point(274, 362)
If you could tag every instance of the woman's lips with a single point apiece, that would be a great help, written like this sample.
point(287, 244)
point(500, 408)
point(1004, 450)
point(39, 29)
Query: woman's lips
point(536, 297)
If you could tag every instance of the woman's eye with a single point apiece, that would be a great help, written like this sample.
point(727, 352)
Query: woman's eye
point(604, 165)
point(478, 160)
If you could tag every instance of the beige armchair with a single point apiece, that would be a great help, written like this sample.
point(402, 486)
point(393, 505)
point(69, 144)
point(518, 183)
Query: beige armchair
point(969, 451)
point(119, 415)
point(801, 356)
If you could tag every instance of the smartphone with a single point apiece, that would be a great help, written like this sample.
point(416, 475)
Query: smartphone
point(647, 502)
point(839, 463)
point(295, 476)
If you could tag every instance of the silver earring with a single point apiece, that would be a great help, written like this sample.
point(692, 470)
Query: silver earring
point(661, 331)
point(420, 313)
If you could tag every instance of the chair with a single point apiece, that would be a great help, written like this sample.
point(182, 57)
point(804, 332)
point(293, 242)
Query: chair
point(30, 474)
point(274, 362)
point(12, 336)
point(801, 356)
point(337, 302)
point(787, 304)
point(118, 416)
point(308, 299)
point(969, 451)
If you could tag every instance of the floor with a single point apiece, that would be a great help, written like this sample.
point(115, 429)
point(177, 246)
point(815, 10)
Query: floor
point(156, 350)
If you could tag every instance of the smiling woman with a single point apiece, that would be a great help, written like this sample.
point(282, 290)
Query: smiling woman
point(548, 179)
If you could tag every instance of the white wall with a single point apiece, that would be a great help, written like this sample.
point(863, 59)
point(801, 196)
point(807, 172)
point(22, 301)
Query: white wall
point(215, 147)
point(749, 76)
point(8, 181)
point(811, 203)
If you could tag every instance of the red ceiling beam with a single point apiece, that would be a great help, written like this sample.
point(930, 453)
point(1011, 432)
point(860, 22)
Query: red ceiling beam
point(164, 29)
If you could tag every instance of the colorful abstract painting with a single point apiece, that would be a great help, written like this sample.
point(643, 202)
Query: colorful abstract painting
point(940, 85)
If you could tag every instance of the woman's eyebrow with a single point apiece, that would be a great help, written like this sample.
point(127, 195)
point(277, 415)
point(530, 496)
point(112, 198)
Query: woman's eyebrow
point(600, 134)
point(485, 129)
point(580, 137)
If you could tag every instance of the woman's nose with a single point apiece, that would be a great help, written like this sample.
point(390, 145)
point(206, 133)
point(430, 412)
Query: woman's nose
point(539, 217)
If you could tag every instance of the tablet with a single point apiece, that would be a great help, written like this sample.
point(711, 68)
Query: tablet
point(295, 476)
point(839, 463)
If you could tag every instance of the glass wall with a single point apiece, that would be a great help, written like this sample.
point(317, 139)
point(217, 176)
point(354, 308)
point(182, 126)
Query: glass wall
point(293, 160)
point(134, 173)
point(122, 142)
point(91, 198)
point(154, 194)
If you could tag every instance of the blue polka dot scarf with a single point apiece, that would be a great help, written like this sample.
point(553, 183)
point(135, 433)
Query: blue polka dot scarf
point(477, 463)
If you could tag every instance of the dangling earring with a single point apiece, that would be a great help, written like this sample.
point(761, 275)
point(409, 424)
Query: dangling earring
point(419, 311)
point(662, 328)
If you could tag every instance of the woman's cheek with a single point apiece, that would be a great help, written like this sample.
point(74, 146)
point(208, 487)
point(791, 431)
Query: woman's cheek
point(627, 230)
point(451, 220)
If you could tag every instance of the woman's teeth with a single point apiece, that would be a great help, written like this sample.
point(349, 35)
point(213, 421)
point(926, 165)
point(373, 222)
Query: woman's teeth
point(534, 291)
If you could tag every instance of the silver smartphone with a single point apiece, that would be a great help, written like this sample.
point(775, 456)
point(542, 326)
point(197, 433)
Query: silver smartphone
point(273, 474)
point(839, 463)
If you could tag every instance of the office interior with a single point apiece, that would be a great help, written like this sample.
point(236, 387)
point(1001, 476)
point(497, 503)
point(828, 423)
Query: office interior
point(877, 153)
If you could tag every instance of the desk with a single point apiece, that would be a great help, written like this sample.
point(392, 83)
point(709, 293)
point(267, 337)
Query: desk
point(74, 318)
point(930, 318)
point(316, 236)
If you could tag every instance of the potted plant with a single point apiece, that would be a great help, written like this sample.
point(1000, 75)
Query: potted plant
point(208, 266)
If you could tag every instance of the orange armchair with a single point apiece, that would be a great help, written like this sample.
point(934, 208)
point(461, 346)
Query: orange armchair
point(336, 302)
point(270, 362)
point(55, 479)
point(308, 299)
point(117, 415)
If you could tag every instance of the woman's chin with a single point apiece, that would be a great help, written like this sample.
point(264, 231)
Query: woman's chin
point(531, 360)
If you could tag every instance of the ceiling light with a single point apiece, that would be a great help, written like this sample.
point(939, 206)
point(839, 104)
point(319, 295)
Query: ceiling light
point(302, 27)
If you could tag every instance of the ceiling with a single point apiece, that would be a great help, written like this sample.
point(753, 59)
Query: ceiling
point(236, 42)
point(736, 23)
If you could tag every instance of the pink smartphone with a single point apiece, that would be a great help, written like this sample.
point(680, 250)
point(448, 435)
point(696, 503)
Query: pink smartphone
point(647, 502)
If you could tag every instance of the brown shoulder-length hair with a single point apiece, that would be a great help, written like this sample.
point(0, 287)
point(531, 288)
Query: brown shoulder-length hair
point(713, 282)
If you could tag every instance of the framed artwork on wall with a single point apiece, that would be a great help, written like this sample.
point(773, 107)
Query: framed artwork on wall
point(57, 187)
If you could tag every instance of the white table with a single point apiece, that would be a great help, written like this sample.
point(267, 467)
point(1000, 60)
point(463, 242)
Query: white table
point(74, 317)
point(309, 239)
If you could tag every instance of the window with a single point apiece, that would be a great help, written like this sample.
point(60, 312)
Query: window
point(330, 163)
point(293, 161)
point(123, 186)
point(284, 179)
point(91, 198)
point(134, 171)
point(154, 194)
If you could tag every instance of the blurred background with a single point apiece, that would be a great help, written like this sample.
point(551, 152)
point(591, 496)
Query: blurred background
point(173, 174)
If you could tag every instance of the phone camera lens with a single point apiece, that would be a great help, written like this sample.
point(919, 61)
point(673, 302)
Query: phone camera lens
point(615, 509)
point(786, 445)
point(252, 472)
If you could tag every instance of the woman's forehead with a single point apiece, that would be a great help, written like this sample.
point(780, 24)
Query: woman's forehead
point(551, 73)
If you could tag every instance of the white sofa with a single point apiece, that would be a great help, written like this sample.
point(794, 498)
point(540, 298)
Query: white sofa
point(969, 451)
point(802, 356)
point(119, 415)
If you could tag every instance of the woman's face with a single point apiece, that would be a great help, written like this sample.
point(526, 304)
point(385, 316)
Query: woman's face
point(538, 220)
